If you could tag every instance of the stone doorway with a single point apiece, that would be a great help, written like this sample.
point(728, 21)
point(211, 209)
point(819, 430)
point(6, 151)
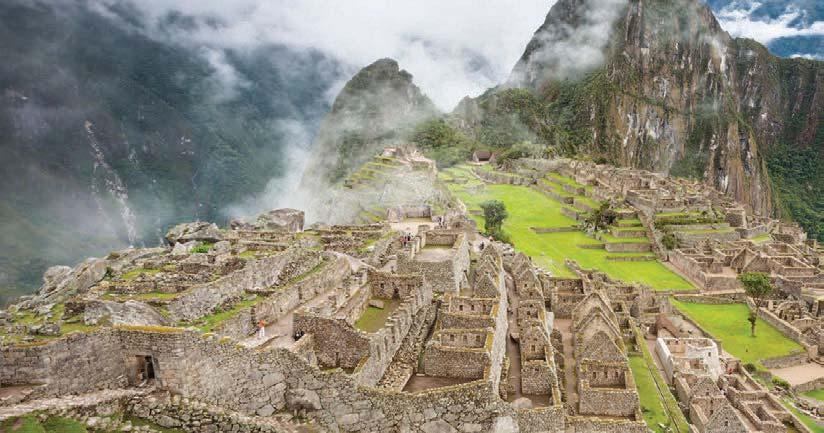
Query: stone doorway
point(145, 368)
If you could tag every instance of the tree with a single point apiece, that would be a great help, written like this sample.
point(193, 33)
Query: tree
point(602, 217)
point(494, 215)
point(757, 285)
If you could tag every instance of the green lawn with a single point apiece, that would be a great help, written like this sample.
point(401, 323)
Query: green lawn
point(651, 399)
point(728, 323)
point(817, 394)
point(530, 208)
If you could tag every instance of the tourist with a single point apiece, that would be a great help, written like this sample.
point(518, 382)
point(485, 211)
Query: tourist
point(261, 329)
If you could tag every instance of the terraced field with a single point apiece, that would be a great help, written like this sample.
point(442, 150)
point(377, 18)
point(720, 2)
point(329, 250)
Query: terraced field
point(728, 323)
point(529, 208)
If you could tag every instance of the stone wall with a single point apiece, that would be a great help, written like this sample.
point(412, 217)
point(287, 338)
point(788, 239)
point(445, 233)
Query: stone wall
point(207, 298)
point(388, 285)
point(337, 343)
point(443, 276)
point(578, 424)
point(541, 420)
point(76, 363)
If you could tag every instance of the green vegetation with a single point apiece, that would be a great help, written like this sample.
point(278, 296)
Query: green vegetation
point(442, 142)
point(602, 217)
point(724, 323)
point(203, 248)
point(530, 208)
point(374, 318)
point(210, 322)
point(796, 173)
point(817, 394)
point(808, 421)
point(26, 424)
point(655, 397)
point(757, 285)
point(134, 273)
point(55, 424)
point(494, 216)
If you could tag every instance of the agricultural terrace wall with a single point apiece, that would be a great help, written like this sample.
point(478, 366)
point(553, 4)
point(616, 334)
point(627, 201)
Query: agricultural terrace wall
point(205, 299)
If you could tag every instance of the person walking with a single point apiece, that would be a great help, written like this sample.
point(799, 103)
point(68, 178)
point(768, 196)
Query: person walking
point(261, 329)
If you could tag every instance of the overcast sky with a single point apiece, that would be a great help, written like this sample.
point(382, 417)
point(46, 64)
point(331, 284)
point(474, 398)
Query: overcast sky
point(453, 48)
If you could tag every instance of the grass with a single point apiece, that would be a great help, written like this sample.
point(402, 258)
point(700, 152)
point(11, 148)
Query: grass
point(530, 208)
point(761, 238)
point(658, 405)
point(210, 322)
point(651, 400)
point(728, 323)
point(373, 319)
point(134, 273)
point(808, 421)
point(30, 424)
point(55, 424)
point(26, 424)
point(817, 394)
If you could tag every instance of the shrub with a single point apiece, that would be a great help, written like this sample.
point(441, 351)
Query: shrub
point(780, 383)
point(750, 367)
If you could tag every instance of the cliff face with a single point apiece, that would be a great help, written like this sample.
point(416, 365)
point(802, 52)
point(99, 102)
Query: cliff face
point(376, 108)
point(657, 84)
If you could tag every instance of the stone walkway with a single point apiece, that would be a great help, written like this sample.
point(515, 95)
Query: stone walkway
point(71, 401)
point(570, 378)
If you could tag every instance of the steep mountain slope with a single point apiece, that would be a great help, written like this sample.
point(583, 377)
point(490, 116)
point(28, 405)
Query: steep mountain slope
point(108, 134)
point(377, 107)
point(657, 84)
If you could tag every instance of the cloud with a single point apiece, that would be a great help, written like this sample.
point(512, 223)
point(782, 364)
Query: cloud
point(452, 48)
point(741, 20)
point(566, 50)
